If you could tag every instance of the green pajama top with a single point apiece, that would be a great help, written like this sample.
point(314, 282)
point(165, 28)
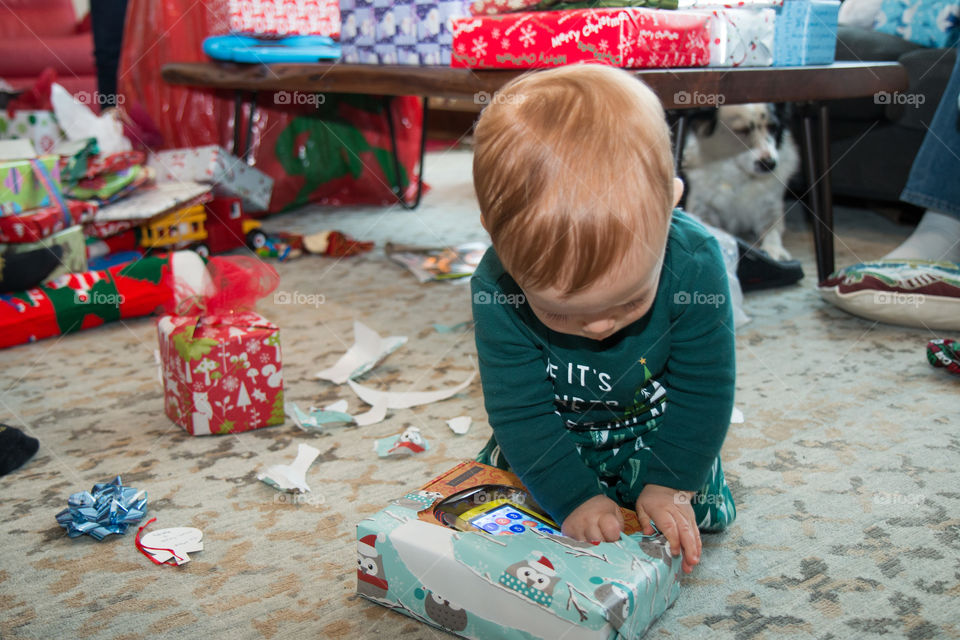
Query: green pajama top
point(576, 418)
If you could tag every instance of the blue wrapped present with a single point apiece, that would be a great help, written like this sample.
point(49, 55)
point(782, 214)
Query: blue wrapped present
point(931, 23)
point(533, 583)
point(805, 32)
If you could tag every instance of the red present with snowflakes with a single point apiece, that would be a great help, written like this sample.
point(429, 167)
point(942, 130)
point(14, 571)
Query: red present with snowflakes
point(632, 38)
point(221, 373)
point(285, 17)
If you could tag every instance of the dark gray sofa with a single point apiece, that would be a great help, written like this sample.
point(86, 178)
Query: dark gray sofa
point(873, 144)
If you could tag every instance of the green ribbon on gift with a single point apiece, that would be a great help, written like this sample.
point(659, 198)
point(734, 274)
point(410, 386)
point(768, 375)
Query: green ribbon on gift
point(77, 154)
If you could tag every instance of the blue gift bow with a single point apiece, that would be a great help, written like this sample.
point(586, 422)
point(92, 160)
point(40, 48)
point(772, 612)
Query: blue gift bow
point(109, 508)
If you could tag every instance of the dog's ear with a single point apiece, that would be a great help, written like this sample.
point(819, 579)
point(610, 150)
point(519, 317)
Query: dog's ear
point(780, 114)
point(703, 122)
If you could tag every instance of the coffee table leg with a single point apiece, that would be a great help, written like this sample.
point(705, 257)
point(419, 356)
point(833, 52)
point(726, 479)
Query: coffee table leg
point(248, 141)
point(679, 141)
point(238, 119)
point(816, 168)
point(825, 256)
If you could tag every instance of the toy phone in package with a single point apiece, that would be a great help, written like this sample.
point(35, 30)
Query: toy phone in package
point(471, 552)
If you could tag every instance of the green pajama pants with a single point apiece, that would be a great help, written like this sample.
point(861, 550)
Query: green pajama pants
point(713, 504)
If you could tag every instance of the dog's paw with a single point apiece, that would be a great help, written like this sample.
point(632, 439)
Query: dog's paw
point(775, 250)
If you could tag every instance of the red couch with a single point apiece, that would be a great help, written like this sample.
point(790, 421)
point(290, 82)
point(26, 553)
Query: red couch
point(36, 34)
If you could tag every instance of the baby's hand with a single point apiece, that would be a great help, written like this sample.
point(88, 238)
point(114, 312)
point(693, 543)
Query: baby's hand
point(672, 512)
point(596, 520)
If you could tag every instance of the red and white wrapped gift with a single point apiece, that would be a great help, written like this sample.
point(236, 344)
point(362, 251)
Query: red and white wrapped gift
point(220, 360)
point(741, 37)
point(37, 224)
point(285, 17)
point(221, 373)
point(632, 38)
point(211, 164)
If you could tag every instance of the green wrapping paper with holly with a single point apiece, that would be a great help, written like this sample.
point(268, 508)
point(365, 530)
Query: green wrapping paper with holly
point(220, 359)
point(78, 301)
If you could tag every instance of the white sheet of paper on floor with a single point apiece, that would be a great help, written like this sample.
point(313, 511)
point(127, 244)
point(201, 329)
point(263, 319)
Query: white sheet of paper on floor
point(291, 477)
point(368, 350)
point(736, 417)
point(460, 424)
point(403, 444)
point(407, 399)
point(178, 540)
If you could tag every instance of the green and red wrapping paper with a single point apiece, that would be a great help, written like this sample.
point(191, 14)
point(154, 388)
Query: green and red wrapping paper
point(221, 373)
point(78, 301)
point(631, 38)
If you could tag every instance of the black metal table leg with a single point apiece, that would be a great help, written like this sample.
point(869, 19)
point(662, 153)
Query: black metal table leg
point(248, 142)
point(238, 101)
point(815, 149)
point(400, 187)
point(679, 142)
point(825, 247)
point(237, 117)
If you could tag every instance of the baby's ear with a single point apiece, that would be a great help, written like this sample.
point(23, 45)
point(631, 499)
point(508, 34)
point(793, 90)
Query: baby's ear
point(677, 191)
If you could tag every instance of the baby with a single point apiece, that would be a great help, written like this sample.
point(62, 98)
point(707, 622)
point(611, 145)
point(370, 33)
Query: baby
point(603, 320)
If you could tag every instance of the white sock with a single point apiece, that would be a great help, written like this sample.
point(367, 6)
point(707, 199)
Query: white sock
point(937, 237)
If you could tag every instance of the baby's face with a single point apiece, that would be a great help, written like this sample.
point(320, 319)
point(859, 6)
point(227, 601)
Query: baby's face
point(616, 300)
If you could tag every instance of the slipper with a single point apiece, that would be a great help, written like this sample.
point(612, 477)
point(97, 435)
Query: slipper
point(756, 270)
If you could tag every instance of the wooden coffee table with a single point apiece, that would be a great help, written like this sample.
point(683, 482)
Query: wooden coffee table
point(811, 87)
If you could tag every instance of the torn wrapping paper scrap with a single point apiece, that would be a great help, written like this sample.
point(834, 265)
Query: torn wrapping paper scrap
point(453, 328)
point(315, 418)
point(736, 416)
point(376, 414)
point(406, 399)
point(291, 477)
point(403, 444)
point(339, 405)
point(460, 425)
point(368, 350)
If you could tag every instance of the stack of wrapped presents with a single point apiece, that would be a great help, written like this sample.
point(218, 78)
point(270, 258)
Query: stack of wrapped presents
point(521, 34)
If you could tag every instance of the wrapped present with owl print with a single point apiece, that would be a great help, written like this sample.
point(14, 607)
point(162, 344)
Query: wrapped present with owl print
point(221, 372)
point(421, 557)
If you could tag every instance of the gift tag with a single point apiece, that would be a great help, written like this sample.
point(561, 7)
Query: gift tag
point(175, 543)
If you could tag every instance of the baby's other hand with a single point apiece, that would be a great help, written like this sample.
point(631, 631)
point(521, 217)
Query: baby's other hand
point(671, 511)
point(596, 520)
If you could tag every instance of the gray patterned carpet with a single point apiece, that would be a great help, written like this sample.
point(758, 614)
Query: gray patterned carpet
point(845, 469)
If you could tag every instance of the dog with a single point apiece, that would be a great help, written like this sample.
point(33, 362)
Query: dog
point(737, 164)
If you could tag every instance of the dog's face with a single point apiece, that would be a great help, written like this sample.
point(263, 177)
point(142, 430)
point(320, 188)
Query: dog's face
point(746, 134)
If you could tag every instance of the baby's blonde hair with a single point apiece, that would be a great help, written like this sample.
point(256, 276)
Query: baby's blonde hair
point(572, 166)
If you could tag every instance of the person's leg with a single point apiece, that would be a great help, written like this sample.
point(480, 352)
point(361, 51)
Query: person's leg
point(713, 505)
point(107, 18)
point(934, 184)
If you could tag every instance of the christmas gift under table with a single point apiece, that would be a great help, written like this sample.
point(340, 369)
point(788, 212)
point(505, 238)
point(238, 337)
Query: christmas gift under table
point(811, 86)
